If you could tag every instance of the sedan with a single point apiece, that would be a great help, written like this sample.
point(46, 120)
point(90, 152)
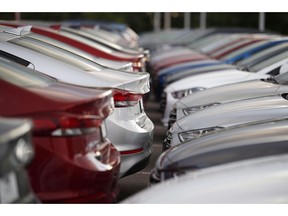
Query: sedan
point(229, 93)
point(129, 117)
point(225, 116)
point(88, 46)
point(183, 87)
point(74, 161)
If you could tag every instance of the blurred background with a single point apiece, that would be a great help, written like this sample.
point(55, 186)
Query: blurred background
point(154, 21)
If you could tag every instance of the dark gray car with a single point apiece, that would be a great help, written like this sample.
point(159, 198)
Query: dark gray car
point(241, 142)
point(16, 152)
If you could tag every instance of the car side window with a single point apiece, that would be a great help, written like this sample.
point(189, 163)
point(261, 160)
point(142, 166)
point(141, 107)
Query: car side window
point(227, 155)
point(275, 72)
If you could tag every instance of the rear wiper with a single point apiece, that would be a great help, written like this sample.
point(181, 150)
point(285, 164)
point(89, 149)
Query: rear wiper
point(272, 80)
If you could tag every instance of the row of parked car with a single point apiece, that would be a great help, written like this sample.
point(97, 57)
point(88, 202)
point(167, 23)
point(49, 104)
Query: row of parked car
point(224, 100)
point(73, 118)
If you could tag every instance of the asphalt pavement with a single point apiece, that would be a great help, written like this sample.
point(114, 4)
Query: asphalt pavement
point(134, 183)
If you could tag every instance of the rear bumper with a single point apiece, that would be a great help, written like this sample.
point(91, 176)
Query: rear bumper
point(29, 198)
point(128, 137)
point(65, 177)
point(137, 162)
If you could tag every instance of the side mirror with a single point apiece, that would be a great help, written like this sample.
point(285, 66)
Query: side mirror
point(284, 68)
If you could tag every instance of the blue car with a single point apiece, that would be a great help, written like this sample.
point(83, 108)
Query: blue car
point(232, 58)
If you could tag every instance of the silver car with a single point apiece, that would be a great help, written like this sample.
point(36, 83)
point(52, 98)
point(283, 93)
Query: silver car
point(16, 153)
point(225, 116)
point(128, 128)
point(254, 181)
point(240, 142)
point(228, 93)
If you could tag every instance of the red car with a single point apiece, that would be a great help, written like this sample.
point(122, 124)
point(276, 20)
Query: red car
point(232, 48)
point(178, 60)
point(85, 45)
point(215, 54)
point(74, 162)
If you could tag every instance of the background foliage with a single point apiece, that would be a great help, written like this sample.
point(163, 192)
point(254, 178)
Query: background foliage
point(142, 22)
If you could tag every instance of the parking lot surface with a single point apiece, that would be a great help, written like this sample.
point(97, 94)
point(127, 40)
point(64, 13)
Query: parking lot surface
point(134, 183)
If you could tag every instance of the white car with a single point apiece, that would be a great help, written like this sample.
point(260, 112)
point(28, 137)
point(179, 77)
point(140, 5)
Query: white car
point(128, 128)
point(229, 93)
point(254, 181)
point(185, 87)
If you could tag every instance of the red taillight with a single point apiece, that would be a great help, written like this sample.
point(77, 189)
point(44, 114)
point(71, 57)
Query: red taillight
point(79, 122)
point(64, 124)
point(135, 151)
point(138, 66)
point(124, 98)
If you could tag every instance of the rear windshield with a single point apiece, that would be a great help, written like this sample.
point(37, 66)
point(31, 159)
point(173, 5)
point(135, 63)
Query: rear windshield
point(231, 46)
point(282, 79)
point(263, 55)
point(243, 50)
point(269, 61)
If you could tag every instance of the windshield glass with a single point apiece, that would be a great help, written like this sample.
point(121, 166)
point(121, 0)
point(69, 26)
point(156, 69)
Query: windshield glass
point(268, 62)
point(232, 46)
point(282, 79)
point(243, 50)
point(264, 54)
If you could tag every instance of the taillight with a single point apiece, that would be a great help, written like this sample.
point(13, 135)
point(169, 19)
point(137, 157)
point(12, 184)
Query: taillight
point(138, 66)
point(65, 124)
point(124, 98)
